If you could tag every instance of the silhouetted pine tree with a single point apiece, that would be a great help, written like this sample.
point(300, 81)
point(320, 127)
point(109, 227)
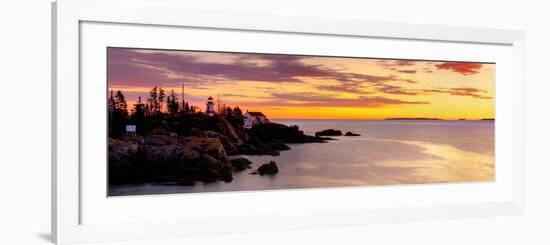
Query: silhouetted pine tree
point(228, 111)
point(139, 117)
point(172, 103)
point(238, 116)
point(111, 111)
point(118, 114)
point(186, 107)
point(161, 98)
point(120, 103)
point(152, 101)
point(111, 103)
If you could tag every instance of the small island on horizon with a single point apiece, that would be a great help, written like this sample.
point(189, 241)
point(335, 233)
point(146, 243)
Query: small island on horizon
point(436, 119)
point(412, 118)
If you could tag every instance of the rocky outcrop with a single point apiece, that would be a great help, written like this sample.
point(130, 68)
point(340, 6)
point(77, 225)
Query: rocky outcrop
point(268, 168)
point(243, 135)
point(160, 140)
point(257, 149)
point(329, 132)
point(351, 134)
point(202, 155)
point(279, 133)
point(240, 164)
point(231, 133)
point(278, 146)
point(271, 138)
point(122, 156)
point(262, 139)
point(230, 146)
point(213, 163)
point(162, 158)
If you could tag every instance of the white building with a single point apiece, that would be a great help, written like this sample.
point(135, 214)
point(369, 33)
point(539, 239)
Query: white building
point(210, 107)
point(253, 118)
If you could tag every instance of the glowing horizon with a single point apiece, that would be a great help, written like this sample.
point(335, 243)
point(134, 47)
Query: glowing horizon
point(309, 87)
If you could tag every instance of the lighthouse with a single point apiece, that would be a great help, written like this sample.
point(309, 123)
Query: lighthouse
point(210, 106)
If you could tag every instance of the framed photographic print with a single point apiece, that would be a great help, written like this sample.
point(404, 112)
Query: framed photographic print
point(201, 121)
point(173, 122)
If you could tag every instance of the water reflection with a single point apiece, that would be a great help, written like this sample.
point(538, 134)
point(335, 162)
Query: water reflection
point(387, 152)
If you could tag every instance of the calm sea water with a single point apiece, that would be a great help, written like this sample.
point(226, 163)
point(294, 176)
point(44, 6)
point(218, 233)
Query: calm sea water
point(387, 152)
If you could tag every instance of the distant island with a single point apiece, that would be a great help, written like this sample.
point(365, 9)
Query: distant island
point(412, 118)
point(432, 119)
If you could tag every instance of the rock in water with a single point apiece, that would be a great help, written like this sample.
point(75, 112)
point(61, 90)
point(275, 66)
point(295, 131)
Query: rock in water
point(329, 132)
point(351, 134)
point(240, 164)
point(268, 168)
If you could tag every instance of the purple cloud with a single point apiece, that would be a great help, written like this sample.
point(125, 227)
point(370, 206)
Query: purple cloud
point(147, 68)
point(135, 67)
point(139, 68)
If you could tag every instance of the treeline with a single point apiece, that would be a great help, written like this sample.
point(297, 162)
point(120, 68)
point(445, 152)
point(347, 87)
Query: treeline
point(161, 113)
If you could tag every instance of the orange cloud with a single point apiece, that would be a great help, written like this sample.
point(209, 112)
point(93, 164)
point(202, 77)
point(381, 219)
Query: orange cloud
point(460, 67)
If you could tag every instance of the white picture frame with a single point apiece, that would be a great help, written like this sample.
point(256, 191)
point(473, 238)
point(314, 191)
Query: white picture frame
point(67, 200)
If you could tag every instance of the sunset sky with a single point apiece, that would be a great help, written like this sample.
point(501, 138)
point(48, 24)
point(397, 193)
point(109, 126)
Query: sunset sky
point(291, 86)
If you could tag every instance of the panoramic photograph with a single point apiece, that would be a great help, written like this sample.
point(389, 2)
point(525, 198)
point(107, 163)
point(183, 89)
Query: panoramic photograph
point(184, 121)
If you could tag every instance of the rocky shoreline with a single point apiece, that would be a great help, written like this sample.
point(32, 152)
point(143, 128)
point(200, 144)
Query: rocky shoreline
point(162, 158)
point(204, 153)
point(202, 156)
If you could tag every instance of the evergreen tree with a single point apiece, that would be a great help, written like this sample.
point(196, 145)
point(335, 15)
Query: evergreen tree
point(118, 114)
point(186, 107)
point(172, 103)
point(111, 110)
point(161, 99)
point(237, 111)
point(139, 116)
point(111, 103)
point(120, 103)
point(152, 101)
point(147, 109)
point(237, 116)
point(228, 111)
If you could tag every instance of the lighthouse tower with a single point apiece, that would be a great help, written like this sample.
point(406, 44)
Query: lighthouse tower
point(210, 106)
